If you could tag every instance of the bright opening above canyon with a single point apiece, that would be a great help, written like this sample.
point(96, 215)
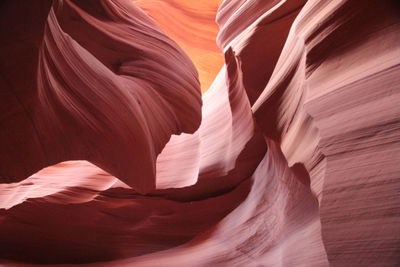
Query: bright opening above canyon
point(200, 133)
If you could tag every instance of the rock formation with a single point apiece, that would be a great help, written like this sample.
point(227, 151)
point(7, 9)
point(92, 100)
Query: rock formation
point(110, 155)
point(192, 25)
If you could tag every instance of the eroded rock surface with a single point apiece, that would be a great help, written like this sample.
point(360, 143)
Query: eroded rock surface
point(291, 157)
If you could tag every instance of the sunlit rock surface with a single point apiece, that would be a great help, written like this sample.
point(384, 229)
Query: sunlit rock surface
point(192, 25)
point(291, 157)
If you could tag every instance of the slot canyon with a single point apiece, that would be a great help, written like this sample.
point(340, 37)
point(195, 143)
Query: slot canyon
point(178, 133)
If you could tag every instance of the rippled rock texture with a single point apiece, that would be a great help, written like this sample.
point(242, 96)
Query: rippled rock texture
point(110, 155)
point(192, 25)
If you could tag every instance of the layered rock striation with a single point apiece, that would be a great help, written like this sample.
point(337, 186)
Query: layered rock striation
point(291, 157)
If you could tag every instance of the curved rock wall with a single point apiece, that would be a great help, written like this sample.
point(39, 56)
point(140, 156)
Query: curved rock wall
point(94, 84)
point(293, 160)
point(192, 25)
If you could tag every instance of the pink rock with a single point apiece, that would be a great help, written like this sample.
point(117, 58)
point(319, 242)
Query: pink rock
point(293, 159)
point(83, 88)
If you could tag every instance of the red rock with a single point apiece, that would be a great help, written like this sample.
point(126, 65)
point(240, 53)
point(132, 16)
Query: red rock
point(294, 163)
point(82, 88)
